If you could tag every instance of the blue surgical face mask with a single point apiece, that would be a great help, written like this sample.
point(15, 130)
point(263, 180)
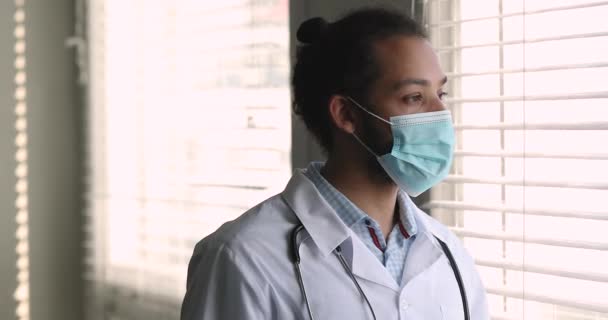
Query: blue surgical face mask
point(422, 149)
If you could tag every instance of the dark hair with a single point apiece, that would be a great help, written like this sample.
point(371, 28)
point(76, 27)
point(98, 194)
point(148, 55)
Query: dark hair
point(338, 58)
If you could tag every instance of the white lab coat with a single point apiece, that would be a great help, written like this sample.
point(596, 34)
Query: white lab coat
point(245, 269)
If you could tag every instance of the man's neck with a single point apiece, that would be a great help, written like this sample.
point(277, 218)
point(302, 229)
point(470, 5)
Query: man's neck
point(373, 194)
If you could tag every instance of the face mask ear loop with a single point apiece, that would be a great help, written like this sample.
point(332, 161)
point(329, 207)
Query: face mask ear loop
point(364, 145)
point(368, 112)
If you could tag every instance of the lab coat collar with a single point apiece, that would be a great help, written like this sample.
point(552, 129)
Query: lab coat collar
point(328, 231)
point(320, 221)
point(365, 265)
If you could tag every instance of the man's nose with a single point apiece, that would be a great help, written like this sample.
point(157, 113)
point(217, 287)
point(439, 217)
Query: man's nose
point(437, 105)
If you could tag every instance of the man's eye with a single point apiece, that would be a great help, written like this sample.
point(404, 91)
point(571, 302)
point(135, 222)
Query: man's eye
point(414, 98)
point(443, 95)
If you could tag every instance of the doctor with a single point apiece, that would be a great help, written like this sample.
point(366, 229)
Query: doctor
point(344, 240)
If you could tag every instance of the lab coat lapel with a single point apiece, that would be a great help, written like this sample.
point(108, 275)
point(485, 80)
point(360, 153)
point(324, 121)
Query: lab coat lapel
point(423, 253)
point(366, 266)
point(425, 250)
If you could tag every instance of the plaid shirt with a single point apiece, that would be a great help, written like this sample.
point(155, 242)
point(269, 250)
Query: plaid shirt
point(395, 248)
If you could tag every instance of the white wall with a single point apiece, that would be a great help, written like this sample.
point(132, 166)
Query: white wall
point(8, 256)
point(54, 140)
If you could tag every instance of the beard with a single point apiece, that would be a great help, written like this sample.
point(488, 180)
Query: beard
point(378, 137)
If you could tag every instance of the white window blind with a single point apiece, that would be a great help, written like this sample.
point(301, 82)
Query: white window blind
point(528, 189)
point(189, 126)
point(21, 171)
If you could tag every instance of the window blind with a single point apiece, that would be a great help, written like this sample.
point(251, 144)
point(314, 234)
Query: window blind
point(189, 126)
point(527, 190)
point(21, 294)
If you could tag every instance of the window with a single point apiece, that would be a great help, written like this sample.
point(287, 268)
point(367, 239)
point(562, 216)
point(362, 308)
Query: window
point(189, 126)
point(527, 192)
point(21, 171)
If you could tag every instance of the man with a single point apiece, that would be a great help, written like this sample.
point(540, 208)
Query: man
point(344, 240)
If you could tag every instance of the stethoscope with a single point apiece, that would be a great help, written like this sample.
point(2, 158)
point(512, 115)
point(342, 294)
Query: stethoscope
point(338, 253)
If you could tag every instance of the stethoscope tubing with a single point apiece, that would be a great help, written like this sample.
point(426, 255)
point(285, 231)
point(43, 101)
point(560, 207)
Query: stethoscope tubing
point(352, 276)
point(296, 258)
point(463, 294)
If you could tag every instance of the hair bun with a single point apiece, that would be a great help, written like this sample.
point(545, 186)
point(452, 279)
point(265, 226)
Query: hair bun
point(312, 30)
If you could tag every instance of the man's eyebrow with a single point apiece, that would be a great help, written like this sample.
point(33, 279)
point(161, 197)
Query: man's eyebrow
point(421, 82)
point(409, 81)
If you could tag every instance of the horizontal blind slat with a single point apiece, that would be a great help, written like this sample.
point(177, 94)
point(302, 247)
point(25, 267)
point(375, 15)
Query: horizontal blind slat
point(457, 205)
point(524, 41)
point(539, 297)
point(531, 239)
point(590, 65)
point(521, 181)
point(530, 154)
point(542, 97)
point(543, 269)
point(504, 316)
point(520, 13)
point(588, 125)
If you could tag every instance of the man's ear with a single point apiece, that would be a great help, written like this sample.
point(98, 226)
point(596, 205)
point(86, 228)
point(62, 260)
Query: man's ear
point(341, 114)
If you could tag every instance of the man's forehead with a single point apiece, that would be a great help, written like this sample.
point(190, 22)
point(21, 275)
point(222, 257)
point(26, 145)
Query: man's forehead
point(408, 60)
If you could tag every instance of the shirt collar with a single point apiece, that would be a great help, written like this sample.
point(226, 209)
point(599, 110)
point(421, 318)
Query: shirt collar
point(348, 212)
